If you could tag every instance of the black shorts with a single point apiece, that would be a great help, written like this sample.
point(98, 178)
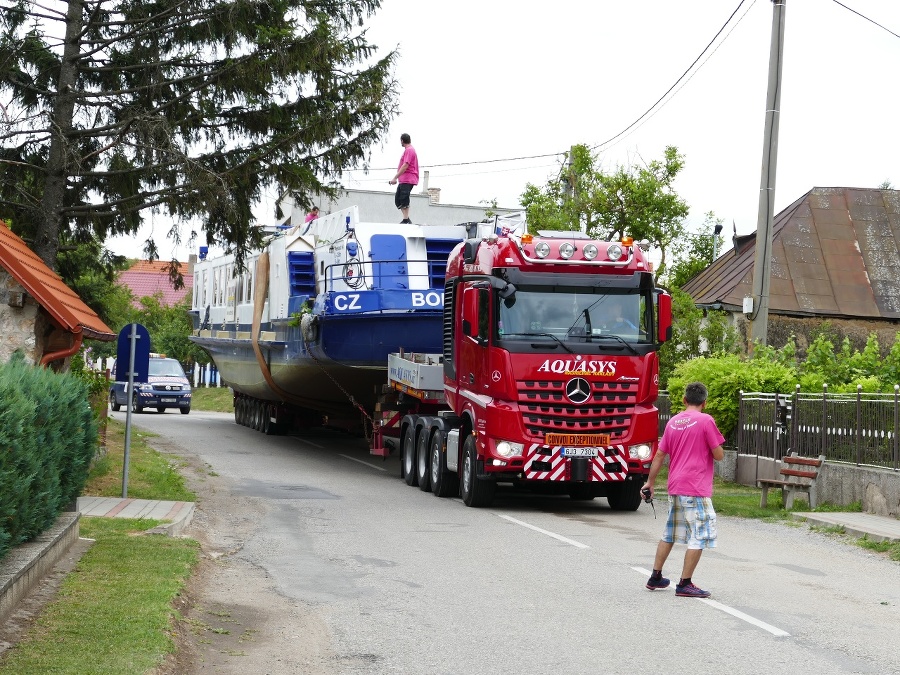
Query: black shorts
point(401, 199)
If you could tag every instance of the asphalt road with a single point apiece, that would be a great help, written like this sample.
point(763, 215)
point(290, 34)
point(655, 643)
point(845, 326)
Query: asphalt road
point(340, 567)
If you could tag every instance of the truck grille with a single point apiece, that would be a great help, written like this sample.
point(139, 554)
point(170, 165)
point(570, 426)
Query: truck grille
point(546, 409)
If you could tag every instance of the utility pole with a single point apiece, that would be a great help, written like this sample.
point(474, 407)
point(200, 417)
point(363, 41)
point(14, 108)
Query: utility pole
point(763, 262)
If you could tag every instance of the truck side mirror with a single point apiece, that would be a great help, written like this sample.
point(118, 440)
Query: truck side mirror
point(664, 317)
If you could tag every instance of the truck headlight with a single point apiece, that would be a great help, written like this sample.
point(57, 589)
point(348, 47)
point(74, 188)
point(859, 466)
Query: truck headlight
point(614, 252)
point(146, 387)
point(542, 249)
point(590, 252)
point(508, 448)
point(566, 250)
point(639, 451)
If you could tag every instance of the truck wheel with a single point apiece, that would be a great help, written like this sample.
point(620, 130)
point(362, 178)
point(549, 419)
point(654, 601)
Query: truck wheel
point(270, 427)
point(185, 411)
point(113, 403)
point(474, 491)
point(624, 496)
point(442, 483)
point(135, 406)
point(423, 459)
point(409, 455)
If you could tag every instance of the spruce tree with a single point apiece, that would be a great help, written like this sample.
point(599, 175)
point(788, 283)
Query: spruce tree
point(196, 109)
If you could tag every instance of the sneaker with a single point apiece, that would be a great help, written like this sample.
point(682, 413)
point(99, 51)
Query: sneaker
point(657, 583)
point(406, 221)
point(691, 591)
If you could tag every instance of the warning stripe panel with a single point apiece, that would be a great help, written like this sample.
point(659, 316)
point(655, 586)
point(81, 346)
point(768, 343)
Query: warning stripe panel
point(552, 455)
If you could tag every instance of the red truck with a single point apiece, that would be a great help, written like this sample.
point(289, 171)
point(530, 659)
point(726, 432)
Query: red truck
point(548, 377)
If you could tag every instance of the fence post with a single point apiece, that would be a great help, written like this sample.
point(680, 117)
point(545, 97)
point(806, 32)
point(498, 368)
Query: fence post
point(776, 430)
point(896, 423)
point(858, 424)
point(739, 440)
point(825, 419)
point(795, 412)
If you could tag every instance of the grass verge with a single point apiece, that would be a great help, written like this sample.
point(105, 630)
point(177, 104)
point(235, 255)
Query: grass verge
point(150, 474)
point(213, 399)
point(113, 613)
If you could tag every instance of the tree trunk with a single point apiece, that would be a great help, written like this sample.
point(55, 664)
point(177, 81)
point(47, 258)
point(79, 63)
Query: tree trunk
point(46, 241)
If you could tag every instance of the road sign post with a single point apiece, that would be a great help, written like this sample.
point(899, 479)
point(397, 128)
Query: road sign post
point(133, 347)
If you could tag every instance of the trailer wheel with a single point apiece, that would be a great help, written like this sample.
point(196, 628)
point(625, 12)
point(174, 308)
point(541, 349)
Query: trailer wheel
point(474, 491)
point(624, 496)
point(423, 458)
point(409, 454)
point(442, 483)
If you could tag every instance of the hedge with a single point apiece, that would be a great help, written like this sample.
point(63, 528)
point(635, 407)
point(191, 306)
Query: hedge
point(48, 436)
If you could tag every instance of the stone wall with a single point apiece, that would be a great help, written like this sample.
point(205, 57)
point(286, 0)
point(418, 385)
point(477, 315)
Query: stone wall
point(20, 327)
point(806, 329)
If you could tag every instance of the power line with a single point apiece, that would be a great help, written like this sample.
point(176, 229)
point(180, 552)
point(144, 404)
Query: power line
point(849, 9)
point(675, 84)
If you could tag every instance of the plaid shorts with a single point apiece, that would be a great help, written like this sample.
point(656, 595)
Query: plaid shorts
point(691, 521)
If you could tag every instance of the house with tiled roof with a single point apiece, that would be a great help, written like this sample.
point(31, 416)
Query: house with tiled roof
point(40, 316)
point(835, 260)
point(147, 278)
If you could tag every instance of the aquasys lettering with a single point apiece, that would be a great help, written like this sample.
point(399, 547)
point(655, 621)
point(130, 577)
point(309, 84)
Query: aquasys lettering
point(578, 366)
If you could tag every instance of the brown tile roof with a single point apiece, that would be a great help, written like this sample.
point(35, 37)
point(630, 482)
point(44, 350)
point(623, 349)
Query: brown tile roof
point(48, 289)
point(146, 278)
point(835, 252)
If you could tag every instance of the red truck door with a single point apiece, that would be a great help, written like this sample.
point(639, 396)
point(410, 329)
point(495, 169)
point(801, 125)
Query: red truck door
point(474, 337)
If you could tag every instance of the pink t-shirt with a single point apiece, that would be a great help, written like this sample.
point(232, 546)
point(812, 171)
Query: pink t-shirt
point(411, 175)
point(688, 439)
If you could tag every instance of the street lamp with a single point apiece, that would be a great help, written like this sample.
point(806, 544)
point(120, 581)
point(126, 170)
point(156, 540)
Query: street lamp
point(717, 230)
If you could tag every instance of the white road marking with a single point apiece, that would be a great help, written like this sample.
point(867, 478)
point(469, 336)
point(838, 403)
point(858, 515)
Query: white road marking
point(777, 632)
point(371, 466)
point(559, 537)
point(303, 440)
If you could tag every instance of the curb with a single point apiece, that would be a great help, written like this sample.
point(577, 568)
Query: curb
point(26, 564)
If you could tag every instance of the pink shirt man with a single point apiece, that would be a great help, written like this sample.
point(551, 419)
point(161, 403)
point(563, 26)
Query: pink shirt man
point(688, 439)
point(411, 175)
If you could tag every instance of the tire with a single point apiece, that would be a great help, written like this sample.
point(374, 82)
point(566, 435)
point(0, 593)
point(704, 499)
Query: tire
point(442, 481)
point(581, 492)
point(135, 406)
point(409, 455)
point(475, 491)
point(185, 411)
point(257, 415)
point(114, 402)
point(423, 458)
point(237, 411)
point(624, 496)
point(160, 409)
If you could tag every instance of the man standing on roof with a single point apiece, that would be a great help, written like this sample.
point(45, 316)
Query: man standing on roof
point(406, 178)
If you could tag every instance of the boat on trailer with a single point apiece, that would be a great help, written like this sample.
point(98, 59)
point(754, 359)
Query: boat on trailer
point(310, 322)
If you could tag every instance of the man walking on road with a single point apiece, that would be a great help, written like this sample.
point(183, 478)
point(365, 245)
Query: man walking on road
point(407, 175)
point(692, 441)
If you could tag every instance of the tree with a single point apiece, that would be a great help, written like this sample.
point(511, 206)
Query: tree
point(637, 201)
point(194, 109)
point(693, 253)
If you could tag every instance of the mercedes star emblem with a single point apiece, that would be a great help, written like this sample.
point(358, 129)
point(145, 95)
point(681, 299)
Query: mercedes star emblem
point(578, 390)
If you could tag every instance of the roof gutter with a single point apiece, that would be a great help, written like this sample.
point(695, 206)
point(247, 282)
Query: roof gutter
point(50, 357)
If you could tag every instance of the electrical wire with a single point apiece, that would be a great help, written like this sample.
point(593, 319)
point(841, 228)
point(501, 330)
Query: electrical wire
point(675, 84)
point(850, 9)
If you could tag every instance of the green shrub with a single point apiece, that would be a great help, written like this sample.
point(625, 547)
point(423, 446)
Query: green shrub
point(48, 436)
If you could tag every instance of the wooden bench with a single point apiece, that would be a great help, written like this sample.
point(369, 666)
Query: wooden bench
point(800, 475)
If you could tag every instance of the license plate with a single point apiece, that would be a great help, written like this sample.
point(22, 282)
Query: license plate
point(572, 440)
point(580, 452)
point(167, 400)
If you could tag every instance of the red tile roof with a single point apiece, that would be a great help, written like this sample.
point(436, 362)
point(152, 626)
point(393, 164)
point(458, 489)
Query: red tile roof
point(835, 252)
point(146, 278)
point(48, 289)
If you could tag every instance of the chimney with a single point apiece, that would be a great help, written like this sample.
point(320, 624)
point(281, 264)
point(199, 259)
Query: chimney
point(434, 195)
point(424, 182)
point(192, 260)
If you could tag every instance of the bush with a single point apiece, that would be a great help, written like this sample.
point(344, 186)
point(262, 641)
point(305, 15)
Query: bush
point(49, 435)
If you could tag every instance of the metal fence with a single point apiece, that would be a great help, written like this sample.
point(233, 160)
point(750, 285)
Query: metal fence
point(858, 428)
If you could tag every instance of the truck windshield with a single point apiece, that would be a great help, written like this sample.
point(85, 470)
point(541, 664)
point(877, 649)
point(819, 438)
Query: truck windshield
point(575, 315)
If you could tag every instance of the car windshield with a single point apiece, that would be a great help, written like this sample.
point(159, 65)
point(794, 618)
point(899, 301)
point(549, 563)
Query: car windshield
point(567, 313)
point(165, 368)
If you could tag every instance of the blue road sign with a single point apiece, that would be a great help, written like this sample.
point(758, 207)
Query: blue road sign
point(141, 353)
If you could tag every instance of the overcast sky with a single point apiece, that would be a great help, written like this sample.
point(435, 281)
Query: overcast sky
point(485, 80)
